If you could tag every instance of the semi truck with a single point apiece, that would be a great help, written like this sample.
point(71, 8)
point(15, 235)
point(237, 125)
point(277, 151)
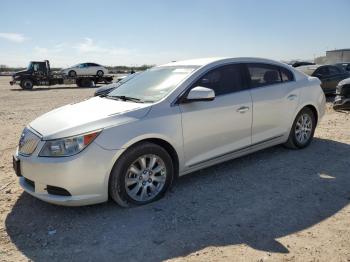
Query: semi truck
point(38, 73)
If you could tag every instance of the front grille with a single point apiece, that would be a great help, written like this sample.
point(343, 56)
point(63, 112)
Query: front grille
point(30, 182)
point(54, 190)
point(28, 142)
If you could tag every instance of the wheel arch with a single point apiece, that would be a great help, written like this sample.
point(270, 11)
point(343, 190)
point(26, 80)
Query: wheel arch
point(155, 140)
point(312, 107)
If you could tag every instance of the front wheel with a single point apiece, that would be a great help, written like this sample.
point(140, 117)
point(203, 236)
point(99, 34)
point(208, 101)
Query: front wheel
point(27, 84)
point(303, 129)
point(141, 175)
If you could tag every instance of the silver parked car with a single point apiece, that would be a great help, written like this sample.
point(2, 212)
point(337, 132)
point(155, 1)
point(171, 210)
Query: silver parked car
point(169, 121)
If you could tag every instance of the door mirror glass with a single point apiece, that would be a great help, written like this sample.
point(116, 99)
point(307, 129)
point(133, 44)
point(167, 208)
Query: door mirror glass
point(200, 93)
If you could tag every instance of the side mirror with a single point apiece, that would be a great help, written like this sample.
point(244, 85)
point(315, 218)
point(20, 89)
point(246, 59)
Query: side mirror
point(200, 93)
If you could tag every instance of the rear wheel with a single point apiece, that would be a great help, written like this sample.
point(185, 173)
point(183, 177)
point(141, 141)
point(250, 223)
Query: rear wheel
point(27, 84)
point(100, 73)
point(303, 129)
point(72, 73)
point(141, 175)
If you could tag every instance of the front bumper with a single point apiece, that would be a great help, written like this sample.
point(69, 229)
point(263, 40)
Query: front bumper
point(341, 103)
point(85, 176)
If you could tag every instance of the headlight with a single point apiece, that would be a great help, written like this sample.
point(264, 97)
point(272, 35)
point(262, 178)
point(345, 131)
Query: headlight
point(67, 146)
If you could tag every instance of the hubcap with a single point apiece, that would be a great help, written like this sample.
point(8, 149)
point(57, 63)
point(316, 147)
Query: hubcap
point(145, 178)
point(303, 128)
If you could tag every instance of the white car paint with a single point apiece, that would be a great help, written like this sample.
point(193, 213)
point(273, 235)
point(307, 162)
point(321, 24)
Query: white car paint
point(201, 133)
point(85, 69)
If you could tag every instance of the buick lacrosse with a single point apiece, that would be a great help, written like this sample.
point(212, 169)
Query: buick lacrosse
point(171, 120)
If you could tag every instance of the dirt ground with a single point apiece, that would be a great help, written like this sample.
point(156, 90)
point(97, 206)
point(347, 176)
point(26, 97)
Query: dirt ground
point(274, 205)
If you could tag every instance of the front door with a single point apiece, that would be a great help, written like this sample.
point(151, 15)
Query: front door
point(214, 128)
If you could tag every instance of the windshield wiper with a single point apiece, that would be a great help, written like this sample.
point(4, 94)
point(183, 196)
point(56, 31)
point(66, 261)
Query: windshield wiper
point(126, 98)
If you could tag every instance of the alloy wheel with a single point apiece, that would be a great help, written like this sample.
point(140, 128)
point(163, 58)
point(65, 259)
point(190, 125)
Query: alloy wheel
point(303, 128)
point(145, 178)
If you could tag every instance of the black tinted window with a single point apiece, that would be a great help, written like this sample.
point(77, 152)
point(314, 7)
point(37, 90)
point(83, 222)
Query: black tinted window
point(286, 75)
point(263, 74)
point(321, 71)
point(92, 64)
point(334, 70)
point(223, 80)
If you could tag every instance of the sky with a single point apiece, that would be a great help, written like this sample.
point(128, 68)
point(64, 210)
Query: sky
point(159, 31)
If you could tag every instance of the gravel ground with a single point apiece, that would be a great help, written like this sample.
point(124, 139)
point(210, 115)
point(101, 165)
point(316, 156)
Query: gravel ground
point(273, 205)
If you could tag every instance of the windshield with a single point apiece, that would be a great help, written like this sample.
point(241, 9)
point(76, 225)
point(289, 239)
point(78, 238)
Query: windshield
point(30, 66)
point(153, 84)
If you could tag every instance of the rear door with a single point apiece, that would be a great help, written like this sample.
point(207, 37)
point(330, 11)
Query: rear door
point(275, 99)
point(212, 129)
point(93, 68)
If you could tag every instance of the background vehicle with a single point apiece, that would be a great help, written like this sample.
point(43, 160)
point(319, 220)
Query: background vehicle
point(104, 90)
point(330, 75)
point(345, 66)
point(40, 74)
point(342, 99)
point(165, 123)
point(92, 69)
point(301, 63)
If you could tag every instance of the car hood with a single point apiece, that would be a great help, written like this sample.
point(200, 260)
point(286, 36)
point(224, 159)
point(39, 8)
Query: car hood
point(89, 115)
point(20, 73)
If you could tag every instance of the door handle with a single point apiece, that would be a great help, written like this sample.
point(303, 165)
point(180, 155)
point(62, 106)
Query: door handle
point(243, 109)
point(292, 97)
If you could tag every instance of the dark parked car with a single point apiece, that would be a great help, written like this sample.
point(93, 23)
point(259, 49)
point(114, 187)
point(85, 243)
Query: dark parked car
point(104, 90)
point(330, 75)
point(301, 63)
point(345, 66)
point(342, 100)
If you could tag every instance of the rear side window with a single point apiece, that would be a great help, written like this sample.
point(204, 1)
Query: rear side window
point(262, 75)
point(223, 80)
point(265, 74)
point(286, 75)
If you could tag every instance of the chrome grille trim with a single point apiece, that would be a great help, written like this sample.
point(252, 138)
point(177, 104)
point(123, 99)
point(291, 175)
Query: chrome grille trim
point(28, 142)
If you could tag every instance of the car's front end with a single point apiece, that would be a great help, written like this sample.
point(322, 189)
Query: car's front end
point(62, 171)
point(59, 158)
point(342, 99)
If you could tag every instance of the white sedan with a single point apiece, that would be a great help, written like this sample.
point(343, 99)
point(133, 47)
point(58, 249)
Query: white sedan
point(168, 121)
point(92, 69)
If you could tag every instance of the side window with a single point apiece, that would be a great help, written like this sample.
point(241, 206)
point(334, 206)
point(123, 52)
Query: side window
point(334, 70)
point(263, 74)
point(286, 75)
point(321, 71)
point(36, 67)
point(223, 80)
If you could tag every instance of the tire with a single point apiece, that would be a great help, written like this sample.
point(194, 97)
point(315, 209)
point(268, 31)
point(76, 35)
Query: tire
point(303, 129)
point(86, 83)
point(142, 187)
point(27, 84)
point(72, 73)
point(100, 73)
point(78, 83)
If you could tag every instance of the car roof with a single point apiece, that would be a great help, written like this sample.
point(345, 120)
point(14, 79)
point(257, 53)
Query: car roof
point(205, 61)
